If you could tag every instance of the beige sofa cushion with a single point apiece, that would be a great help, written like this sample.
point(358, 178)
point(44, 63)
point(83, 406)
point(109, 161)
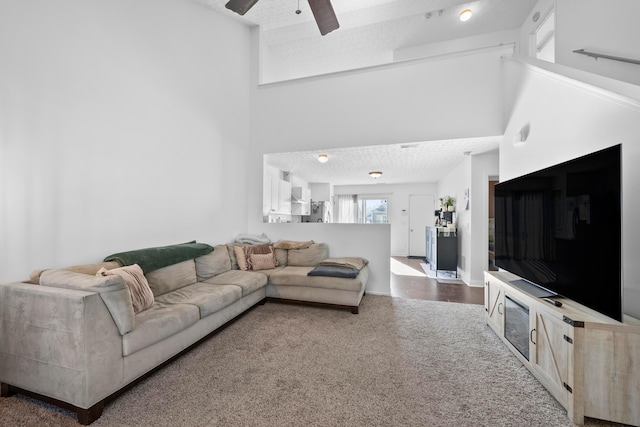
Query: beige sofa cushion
point(292, 244)
point(208, 298)
point(248, 281)
point(309, 257)
point(213, 263)
point(112, 290)
point(297, 276)
point(157, 323)
point(91, 269)
point(172, 277)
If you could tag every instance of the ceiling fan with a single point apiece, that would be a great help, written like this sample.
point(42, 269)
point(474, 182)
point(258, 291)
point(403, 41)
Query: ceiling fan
point(322, 12)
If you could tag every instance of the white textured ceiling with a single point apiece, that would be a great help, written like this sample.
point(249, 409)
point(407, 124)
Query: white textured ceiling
point(417, 162)
point(370, 30)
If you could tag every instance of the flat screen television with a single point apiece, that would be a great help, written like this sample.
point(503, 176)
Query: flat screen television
point(560, 229)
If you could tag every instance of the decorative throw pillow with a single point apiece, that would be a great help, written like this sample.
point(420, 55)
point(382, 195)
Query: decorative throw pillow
point(262, 261)
point(292, 244)
point(141, 295)
point(256, 249)
point(241, 258)
point(281, 256)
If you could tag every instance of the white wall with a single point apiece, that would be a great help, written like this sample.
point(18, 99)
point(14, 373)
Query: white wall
point(421, 100)
point(483, 166)
point(417, 101)
point(122, 125)
point(568, 119)
point(603, 27)
point(610, 29)
point(454, 184)
point(397, 208)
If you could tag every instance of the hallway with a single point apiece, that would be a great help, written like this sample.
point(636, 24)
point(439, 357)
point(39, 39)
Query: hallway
point(408, 280)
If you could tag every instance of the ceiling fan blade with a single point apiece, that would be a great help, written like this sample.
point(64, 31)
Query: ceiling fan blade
point(325, 16)
point(240, 6)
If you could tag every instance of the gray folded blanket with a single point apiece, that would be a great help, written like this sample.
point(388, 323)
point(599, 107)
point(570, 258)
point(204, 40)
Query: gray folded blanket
point(334, 271)
point(252, 239)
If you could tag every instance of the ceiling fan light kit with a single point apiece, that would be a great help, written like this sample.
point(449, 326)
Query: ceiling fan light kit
point(322, 11)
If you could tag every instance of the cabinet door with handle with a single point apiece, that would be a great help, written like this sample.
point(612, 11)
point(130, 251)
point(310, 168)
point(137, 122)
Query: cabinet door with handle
point(494, 304)
point(551, 349)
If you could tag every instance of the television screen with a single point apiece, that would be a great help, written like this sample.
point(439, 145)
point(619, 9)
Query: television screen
point(560, 228)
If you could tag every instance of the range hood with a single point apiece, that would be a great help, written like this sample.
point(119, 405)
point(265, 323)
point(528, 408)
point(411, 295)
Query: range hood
point(298, 195)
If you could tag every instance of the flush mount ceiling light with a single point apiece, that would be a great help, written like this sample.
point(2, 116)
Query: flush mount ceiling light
point(375, 174)
point(465, 15)
point(323, 158)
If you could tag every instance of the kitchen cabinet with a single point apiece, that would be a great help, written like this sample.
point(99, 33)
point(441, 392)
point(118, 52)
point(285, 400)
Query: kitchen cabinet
point(284, 197)
point(300, 201)
point(276, 196)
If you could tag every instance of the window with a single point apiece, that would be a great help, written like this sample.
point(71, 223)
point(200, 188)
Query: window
point(372, 211)
point(543, 39)
point(357, 209)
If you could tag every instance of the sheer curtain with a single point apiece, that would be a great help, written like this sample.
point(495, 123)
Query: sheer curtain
point(347, 208)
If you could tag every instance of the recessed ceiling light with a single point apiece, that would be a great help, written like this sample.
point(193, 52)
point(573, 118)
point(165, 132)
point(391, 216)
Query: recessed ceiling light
point(465, 15)
point(375, 174)
point(323, 158)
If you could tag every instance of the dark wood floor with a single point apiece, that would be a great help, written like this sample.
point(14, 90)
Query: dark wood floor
point(409, 281)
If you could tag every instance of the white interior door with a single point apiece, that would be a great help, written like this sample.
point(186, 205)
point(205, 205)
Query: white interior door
point(421, 209)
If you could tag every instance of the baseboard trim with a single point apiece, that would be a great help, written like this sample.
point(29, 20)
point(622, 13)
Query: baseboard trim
point(381, 294)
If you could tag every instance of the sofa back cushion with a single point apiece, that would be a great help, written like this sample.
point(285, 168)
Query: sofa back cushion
point(91, 269)
point(112, 290)
point(309, 257)
point(212, 264)
point(172, 277)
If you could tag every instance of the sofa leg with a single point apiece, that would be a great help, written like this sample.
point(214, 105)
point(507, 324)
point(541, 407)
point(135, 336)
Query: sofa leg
point(5, 390)
point(87, 416)
point(355, 310)
point(263, 301)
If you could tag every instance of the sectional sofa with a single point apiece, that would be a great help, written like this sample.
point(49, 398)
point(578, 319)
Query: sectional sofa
point(77, 336)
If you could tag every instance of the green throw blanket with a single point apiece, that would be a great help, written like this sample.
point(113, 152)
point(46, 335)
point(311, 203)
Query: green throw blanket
point(150, 259)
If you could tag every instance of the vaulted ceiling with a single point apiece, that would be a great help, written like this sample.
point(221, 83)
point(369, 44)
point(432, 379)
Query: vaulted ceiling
point(371, 33)
point(370, 30)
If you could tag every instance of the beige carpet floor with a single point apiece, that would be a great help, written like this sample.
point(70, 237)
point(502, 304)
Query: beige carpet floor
point(399, 362)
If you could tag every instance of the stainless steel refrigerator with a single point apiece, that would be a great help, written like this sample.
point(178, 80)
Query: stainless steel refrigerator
point(320, 212)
